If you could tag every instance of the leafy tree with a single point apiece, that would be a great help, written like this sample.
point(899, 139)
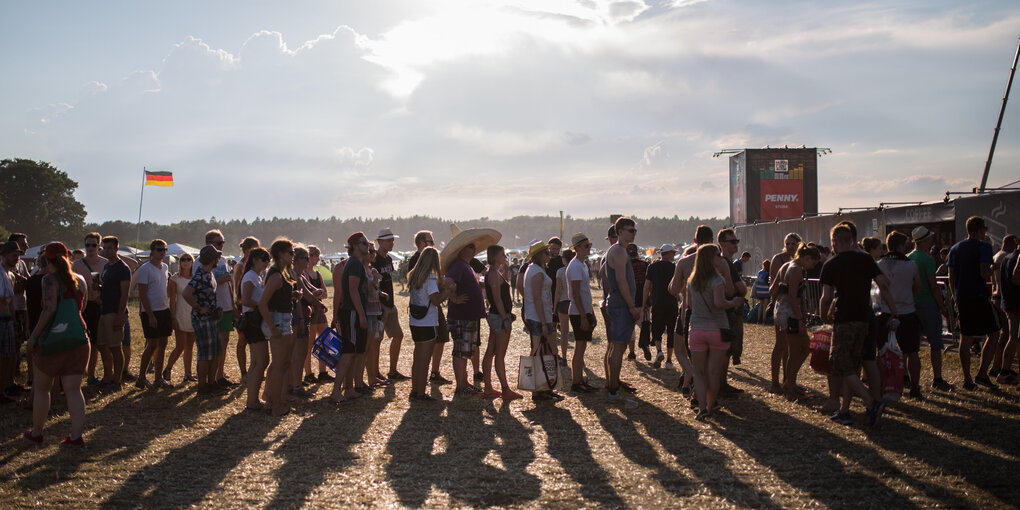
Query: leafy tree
point(38, 199)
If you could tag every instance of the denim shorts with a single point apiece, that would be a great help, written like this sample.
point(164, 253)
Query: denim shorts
point(535, 328)
point(931, 324)
point(282, 321)
point(496, 324)
point(621, 325)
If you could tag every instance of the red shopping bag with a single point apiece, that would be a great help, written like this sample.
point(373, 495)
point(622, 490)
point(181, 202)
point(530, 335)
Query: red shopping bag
point(821, 340)
point(891, 361)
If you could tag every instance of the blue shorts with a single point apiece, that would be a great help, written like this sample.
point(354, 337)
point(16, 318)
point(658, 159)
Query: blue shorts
point(931, 324)
point(620, 324)
point(496, 324)
point(535, 328)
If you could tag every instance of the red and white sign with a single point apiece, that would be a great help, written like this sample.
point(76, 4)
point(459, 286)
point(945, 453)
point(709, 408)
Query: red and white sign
point(782, 198)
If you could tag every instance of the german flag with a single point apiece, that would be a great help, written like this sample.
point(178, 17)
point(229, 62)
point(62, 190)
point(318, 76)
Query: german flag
point(159, 178)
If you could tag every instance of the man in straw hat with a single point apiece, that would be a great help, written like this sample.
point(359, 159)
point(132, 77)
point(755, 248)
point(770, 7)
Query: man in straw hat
point(468, 307)
point(928, 302)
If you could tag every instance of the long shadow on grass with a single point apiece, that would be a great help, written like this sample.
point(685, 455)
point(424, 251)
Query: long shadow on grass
point(567, 442)
point(683, 443)
point(186, 475)
point(119, 430)
point(322, 444)
point(833, 470)
point(429, 450)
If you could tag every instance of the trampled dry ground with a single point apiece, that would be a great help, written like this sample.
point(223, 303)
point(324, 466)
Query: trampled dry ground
point(171, 449)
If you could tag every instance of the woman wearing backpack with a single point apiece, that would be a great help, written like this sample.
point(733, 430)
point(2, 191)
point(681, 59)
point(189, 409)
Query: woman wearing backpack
point(63, 299)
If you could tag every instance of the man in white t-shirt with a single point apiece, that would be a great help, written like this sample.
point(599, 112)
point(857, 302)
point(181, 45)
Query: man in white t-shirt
point(154, 311)
point(225, 301)
point(582, 313)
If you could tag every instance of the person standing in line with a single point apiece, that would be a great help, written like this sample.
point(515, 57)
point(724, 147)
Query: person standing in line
point(317, 323)
point(613, 239)
point(791, 309)
point(352, 321)
point(904, 282)
point(562, 301)
point(970, 264)
point(500, 319)
point(88, 267)
point(116, 278)
point(68, 366)
point(200, 294)
point(709, 350)
point(251, 288)
point(1009, 285)
point(640, 267)
point(621, 308)
point(246, 245)
point(390, 318)
point(660, 304)
point(539, 310)
point(1002, 372)
point(157, 321)
point(301, 312)
point(847, 278)
point(20, 274)
point(225, 301)
point(184, 334)
point(277, 309)
point(581, 310)
point(728, 245)
point(9, 253)
point(761, 291)
point(929, 303)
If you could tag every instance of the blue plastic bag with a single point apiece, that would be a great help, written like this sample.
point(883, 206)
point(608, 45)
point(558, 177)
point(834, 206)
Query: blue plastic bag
point(328, 348)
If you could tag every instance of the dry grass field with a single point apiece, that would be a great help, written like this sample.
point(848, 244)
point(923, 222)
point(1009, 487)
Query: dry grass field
point(172, 449)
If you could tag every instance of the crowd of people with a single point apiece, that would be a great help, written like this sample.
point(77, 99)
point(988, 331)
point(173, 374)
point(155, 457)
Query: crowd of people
point(70, 315)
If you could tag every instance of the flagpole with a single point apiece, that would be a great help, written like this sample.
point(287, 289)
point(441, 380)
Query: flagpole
point(138, 232)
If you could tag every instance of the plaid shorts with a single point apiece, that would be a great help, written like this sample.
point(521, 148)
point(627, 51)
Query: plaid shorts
point(207, 338)
point(847, 347)
point(8, 341)
point(464, 335)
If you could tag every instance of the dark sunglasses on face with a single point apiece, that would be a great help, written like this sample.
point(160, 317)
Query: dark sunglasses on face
point(159, 249)
point(91, 245)
point(187, 260)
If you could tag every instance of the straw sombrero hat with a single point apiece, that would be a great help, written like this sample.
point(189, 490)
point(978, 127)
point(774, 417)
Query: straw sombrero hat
point(482, 238)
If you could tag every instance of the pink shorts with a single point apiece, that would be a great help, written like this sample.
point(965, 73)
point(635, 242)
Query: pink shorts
point(707, 339)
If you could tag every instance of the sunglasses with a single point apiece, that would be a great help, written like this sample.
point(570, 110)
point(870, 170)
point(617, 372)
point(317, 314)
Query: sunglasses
point(733, 241)
point(159, 249)
point(91, 245)
point(187, 259)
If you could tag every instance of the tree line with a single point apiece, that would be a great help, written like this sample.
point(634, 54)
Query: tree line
point(38, 199)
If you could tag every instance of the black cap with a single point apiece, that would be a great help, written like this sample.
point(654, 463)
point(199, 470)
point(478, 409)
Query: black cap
point(10, 246)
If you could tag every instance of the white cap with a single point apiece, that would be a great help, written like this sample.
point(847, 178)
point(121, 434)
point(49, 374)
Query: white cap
point(667, 248)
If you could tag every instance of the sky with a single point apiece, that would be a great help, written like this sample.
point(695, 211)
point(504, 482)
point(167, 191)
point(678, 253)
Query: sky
point(468, 109)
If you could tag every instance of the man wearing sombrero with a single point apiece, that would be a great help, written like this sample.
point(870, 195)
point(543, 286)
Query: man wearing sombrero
point(468, 307)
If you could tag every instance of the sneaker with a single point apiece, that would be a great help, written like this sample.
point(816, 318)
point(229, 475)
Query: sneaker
point(92, 381)
point(875, 412)
point(190, 378)
point(984, 381)
point(143, 384)
point(941, 385)
point(397, 376)
point(324, 377)
point(1007, 377)
point(438, 379)
point(616, 397)
point(969, 386)
point(843, 418)
point(162, 383)
point(670, 366)
point(631, 357)
point(556, 396)
point(71, 442)
point(648, 353)
point(658, 361)
point(27, 436)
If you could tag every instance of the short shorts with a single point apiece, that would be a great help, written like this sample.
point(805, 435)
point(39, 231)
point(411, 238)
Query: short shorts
point(977, 317)
point(563, 307)
point(424, 333)
point(282, 321)
point(109, 334)
point(848, 339)
point(621, 325)
point(707, 340)
point(253, 327)
point(375, 324)
point(164, 324)
point(353, 334)
point(226, 323)
point(207, 338)
point(464, 334)
point(581, 335)
point(497, 324)
point(535, 328)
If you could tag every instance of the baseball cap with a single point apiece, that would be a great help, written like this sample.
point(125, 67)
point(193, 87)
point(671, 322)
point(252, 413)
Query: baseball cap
point(666, 248)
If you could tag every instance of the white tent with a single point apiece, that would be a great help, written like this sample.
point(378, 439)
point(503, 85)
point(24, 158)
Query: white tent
point(174, 249)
